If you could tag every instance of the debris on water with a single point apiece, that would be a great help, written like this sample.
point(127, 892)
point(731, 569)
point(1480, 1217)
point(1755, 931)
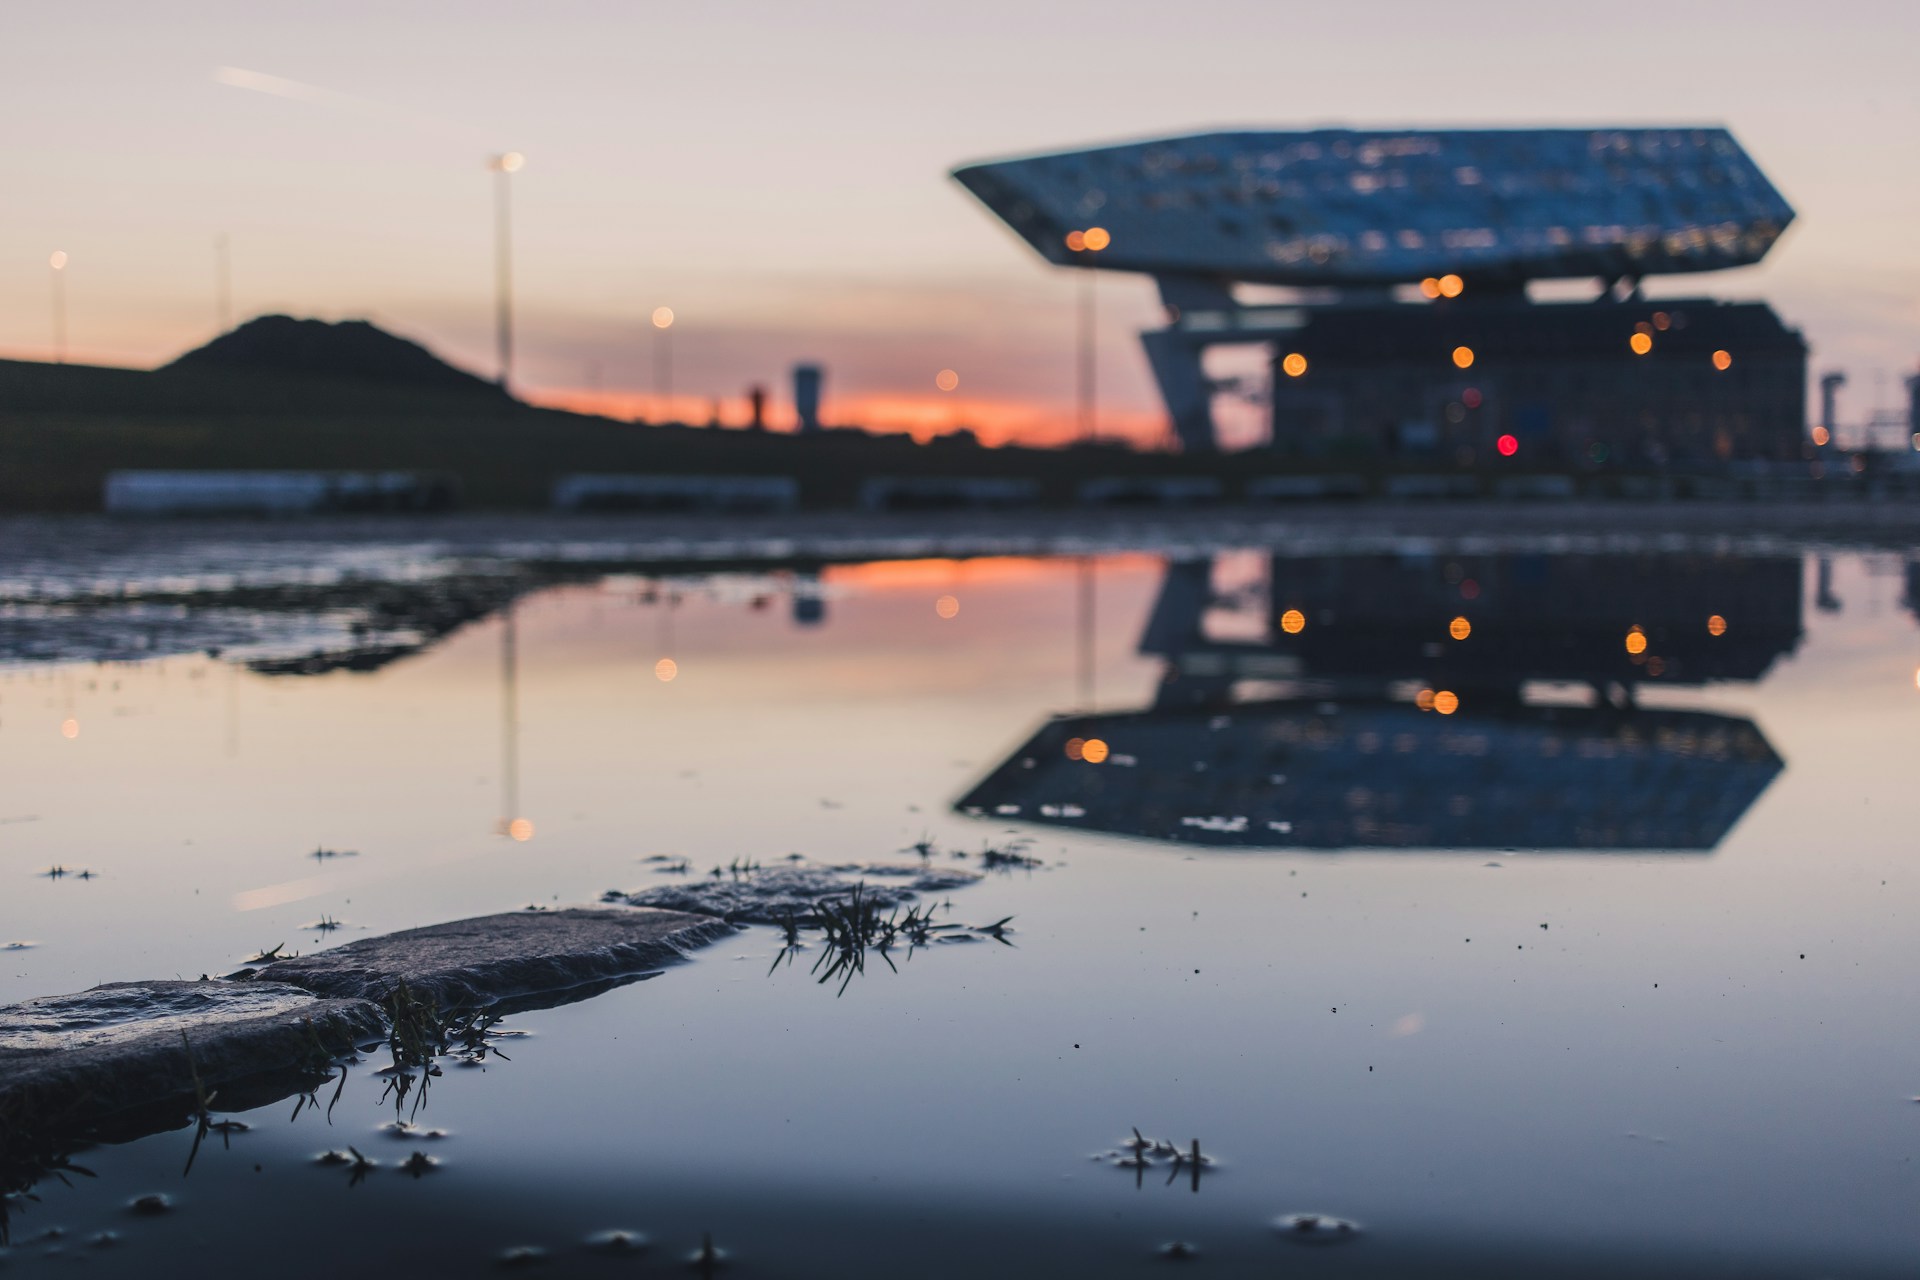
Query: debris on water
point(1316, 1228)
point(406, 1130)
point(768, 896)
point(419, 1164)
point(1179, 1251)
point(152, 1205)
point(269, 954)
point(325, 924)
point(321, 853)
point(1009, 856)
point(707, 1260)
point(618, 1242)
point(58, 872)
point(523, 1255)
point(21, 945)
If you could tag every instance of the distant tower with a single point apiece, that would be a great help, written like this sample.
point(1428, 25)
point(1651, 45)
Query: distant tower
point(806, 395)
point(757, 397)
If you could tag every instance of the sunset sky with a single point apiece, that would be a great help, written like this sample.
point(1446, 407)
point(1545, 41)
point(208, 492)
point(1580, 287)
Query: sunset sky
point(776, 172)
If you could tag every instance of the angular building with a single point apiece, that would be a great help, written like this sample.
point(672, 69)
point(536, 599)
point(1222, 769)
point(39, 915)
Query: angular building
point(1404, 323)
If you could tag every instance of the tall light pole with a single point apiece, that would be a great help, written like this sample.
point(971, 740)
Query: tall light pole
point(504, 166)
point(58, 264)
point(1090, 241)
point(663, 360)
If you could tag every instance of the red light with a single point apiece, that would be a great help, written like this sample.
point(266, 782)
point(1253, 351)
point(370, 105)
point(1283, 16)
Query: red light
point(1470, 397)
point(1508, 446)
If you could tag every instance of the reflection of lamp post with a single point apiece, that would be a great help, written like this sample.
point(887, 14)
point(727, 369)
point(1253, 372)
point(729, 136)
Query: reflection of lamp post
point(511, 824)
point(504, 166)
point(1092, 240)
point(223, 281)
point(663, 360)
point(58, 262)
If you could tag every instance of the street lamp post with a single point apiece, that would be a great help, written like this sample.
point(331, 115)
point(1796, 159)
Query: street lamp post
point(223, 281)
point(58, 264)
point(663, 360)
point(504, 166)
point(1090, 241)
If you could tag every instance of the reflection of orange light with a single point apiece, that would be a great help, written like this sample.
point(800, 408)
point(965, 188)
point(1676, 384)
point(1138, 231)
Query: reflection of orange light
point(1295, 364)
point(1424, 699)
point(69, 728)
point(520, 829)
point(1821, 435)
point(1097, 239)
point(1452, 286)
point(663, 317)
point(1661, 320)
point(1916, 677)
point(1636, 641)
point(1459, 628)
point(665, 670)
point(1471, 397)
point(1431, 287)
point(1446, 702)
point(1076, 240)
point(1723, 360)
point(946, 379)
point(1093, 751)
point(1656, 666)
point(1641, 343)
point(947, 606)
point(1463, 357)
point(1293, 622)
point(1716, 625)
point(1075, 746)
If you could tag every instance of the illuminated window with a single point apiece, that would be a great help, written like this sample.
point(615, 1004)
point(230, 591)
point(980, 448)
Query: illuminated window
point(1293, 622)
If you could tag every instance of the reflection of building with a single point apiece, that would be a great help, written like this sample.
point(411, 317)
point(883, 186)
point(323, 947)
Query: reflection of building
point(1410, 252)
point(1403, 718)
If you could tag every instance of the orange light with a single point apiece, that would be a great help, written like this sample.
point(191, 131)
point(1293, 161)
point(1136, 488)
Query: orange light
point(1463, 357)
point(1430, 286)
point(946, 379)
point(69, 728)
point(1821, 435)
point(1460, 628)
point(1636, 641)
point(1641, 343)
point(58, 261)
point(1294, 365)
point(1097, 239)
point(1656, 666)
point(1452, 286)
point(1716, 625)
point(665, 670)
point(1093, 751)
point(520, 829)
point(1446, 702)
point(511, 162)
point(947, 606)
point(1293, 622)
point(1075, 747)
point(1076, 240)
point(1723, 360)
point(663, 317)
point(1661, 320)
point(1424, 699)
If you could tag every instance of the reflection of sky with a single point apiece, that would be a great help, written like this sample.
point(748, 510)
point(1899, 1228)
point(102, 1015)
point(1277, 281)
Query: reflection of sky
point(776, 173)
point(1529, 1084)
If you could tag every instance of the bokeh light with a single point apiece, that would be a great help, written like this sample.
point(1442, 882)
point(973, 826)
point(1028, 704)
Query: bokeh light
point(1641, 343)
point(1507, 445)
point(1723, 360)
point(1075, 746)
point(663, 317)
point(69, 728)
point(946, 379)
point(1097, 238)
point(1293, 622)
point(1076, 240)
point(947, 606)
point(511, 162)
point(665, 670)
point(1636, 641)
point(1463, 357)
point(1446, 702)
point(1093, 750)
point(1662, 321)
point(1460, 628)
point(59, 260)
point(520, 829)
point(1821, 435)
point(1430, 286)
point(1294, 365)
point(1452, 286)
point(1716, 625)
point(1424, 699)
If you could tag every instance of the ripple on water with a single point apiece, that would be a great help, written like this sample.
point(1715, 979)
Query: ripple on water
point(1316, 1228)
point(617, 1242)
